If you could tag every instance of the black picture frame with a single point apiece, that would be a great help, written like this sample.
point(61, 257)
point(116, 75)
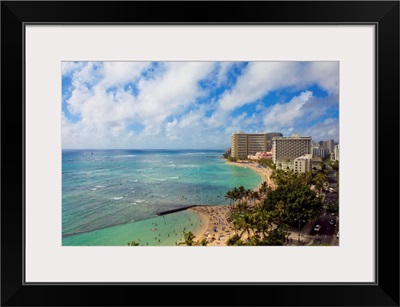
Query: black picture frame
point(383, 14)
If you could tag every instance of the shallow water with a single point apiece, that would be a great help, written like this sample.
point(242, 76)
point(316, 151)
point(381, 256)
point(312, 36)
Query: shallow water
point(112, 197)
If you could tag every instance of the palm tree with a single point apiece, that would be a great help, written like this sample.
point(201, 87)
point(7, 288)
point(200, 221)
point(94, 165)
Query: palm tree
point(242, 207)
point(280, 210)
point(249, 195)
point(256, 196)
point(242, 192)
point(245, 223)
point(203, 242)
point(263, 189)
point(188, 238)
point(235, 195)
point(263, 221)
point(229, 195)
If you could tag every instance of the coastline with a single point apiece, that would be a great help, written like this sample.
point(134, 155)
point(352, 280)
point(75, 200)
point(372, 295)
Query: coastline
point(216, 228)
point(216, 217)
point(264, 172)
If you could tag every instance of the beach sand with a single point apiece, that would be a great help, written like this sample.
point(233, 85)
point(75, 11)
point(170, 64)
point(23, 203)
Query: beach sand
point(217, 217)
point(216, 227)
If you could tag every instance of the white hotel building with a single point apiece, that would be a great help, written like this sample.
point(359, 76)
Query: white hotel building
point(285, 150)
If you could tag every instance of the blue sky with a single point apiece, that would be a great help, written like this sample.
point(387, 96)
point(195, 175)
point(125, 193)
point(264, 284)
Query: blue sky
point(195, 105)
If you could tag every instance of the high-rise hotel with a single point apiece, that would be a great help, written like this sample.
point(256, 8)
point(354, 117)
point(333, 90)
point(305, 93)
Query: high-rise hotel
point(244, 144)
point(289, 148)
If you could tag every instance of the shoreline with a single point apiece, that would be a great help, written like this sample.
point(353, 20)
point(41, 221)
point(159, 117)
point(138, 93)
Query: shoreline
point(264, 172)
point(215, 217)
point(217, 229)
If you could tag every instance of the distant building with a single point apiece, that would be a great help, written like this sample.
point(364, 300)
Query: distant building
point(272, 135)
point(336, 153)
point(319, 152)
point(285, 164)
point(290, 148)
point(303, 164)
point(245, 144)
point(330, 145)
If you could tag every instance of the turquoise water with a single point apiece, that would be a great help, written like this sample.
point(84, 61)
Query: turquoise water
point(112, 197)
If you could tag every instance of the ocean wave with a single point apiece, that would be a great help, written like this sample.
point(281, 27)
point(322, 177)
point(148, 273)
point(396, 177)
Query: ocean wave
point(118, 198)
point(125, 156)
point(97, 187)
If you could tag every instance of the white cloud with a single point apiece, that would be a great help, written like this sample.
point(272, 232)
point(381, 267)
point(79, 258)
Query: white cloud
point(327, 129)
point(121, 73)
point(283, 114)
point(105, 115)
point(257, 80)
point(260, 78)
point(68, 68)
point(223, 69)
point(109, 99)
point(325, 74)
point(174, 90)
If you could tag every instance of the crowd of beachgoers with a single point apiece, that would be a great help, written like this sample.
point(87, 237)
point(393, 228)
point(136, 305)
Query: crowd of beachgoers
point(217, 227)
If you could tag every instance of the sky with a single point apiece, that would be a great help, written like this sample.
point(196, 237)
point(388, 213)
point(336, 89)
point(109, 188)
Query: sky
point(195, 105)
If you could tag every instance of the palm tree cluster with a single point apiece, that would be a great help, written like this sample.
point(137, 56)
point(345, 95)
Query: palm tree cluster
point(240, 194)
point(291, 204)
point(314, 180)
point(255, 226)
point(188, 239)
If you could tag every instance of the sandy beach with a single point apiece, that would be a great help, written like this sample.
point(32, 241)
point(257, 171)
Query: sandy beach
point(216, 226)
point(217, 218)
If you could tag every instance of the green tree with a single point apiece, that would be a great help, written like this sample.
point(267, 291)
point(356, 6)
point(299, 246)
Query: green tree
point(284, 177)
point(263, 189)
point(232, 159)
point(243, 222)
point(300, 203)
point(306, 178)
point(230, 195)
point(255, 196)
point(188, 238)
point(241, 193)
point(203, 242)
point(234, 240)
point(319, 180)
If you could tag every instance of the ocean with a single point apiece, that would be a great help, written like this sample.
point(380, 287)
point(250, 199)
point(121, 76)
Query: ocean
point(112, 197)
